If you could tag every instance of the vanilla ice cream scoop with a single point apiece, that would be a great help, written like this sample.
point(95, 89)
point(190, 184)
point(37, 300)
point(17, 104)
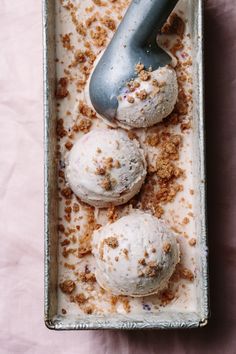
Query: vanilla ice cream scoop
point(106, 168)
point(147, 102)
point(135, 255)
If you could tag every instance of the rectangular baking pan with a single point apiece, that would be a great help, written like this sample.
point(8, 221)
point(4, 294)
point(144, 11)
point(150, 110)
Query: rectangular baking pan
point(162, 320)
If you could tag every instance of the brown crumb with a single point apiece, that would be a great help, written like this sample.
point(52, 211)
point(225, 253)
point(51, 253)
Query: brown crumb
point(61, 90)
point(67, 193)
point(116, 164)
point(192, 242)
point(99, 36)
point(109, 23)
point(133, 85)
point(111, 242)
point(130, 99)
point(65, 242)
point(166, 296)
point(126, 304)
point(139, 67)
point(80, 299)
point(187, 274)
point(67, 286)
point(126, 253)
point(66, 41)
point(86, 110)
point(144, 75)
point(142, 261)
point(153, 139)
point(151, 270)
point(87, 277)
point(112, 214)
point(76, 208)
point(142, 95)
point(61, 228)
point(106, 184)
point(185, 221)
point(167, 247)
point(175, 25)
point(63, 311)
point(132, 135)
point(83, 125)
point(89, 309)
point(100, 171)
point(68, 145)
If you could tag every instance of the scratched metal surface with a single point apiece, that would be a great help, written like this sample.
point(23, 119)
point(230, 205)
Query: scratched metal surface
point(164, 320)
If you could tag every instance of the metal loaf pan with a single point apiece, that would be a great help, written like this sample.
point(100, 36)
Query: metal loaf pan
point(161, 320)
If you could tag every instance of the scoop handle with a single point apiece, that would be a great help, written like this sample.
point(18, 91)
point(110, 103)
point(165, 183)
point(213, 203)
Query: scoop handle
point(144, 19)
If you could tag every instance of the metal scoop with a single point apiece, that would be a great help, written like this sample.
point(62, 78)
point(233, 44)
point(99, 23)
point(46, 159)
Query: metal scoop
point(134, 42)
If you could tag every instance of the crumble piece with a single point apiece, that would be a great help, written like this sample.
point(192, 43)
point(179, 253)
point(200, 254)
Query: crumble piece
point(66, 41)
point(65, 242)
point(112, 214)
point(192, 242)
point(174, 25)
point(139, 67)
point(112, 242)
point(187, 274)
point(67, 193)
point(67, 286)
point(167, 247)
point(142, 95)
point(151, 269)
point(68, 145)
point(109, 23)
point(61, 90)
point(86, 110)
point(99, 36)
point(80, 299)
point(106, 183)
point(152, 139)
point(87, 277)
point(144, 75)
point(76, 208)
point(142, 261)
point(133, 85)
point(100, 171)
point(130, 99)
point(126, 253)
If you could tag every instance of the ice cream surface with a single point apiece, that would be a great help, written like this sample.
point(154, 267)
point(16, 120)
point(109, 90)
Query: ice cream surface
point(135, 255)
point(148, 99)
point(106, 168)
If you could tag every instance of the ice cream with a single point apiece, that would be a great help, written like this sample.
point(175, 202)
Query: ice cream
point(106, 168)
point(135, 255)
point(148, 99)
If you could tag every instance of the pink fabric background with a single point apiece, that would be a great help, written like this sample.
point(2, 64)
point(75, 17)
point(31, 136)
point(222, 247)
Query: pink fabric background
point(21, 198)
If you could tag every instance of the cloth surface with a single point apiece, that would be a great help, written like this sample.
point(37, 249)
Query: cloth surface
point(21, 199)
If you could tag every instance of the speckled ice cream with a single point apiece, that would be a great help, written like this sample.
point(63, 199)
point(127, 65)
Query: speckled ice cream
point(136, 255)
point(106, 168)
point(160, 102)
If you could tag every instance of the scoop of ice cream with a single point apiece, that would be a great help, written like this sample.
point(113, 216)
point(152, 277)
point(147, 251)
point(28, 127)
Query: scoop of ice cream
point(135, 255)
point(148, 99)
point(106, 168)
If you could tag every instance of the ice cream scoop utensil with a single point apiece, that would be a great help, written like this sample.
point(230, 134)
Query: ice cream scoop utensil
point(134, 42)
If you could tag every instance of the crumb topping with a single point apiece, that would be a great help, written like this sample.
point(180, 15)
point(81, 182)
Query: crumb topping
point(111, 242)
point(142, 95)
point(67, 286)
point(167, 247)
